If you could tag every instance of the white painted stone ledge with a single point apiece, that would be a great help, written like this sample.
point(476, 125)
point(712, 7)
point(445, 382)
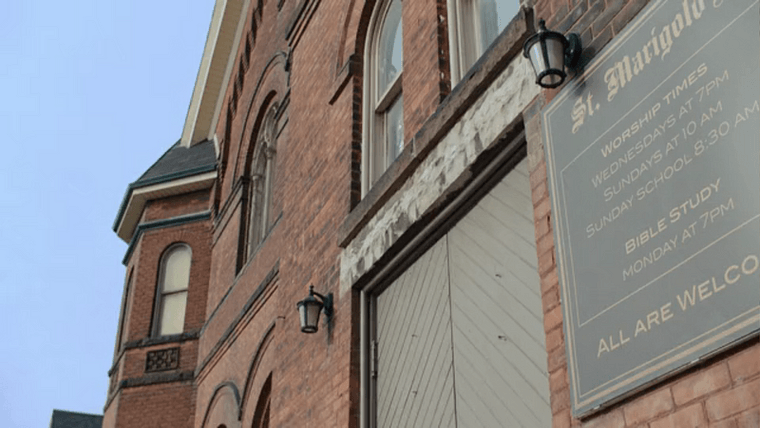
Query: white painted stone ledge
point(475, 132)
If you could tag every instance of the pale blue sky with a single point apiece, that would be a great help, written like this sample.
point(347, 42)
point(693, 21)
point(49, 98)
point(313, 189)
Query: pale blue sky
point(93, 92)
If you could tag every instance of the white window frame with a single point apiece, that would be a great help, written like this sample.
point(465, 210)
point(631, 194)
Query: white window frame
point(465, 36)
point(376, 148)
point(158, 311)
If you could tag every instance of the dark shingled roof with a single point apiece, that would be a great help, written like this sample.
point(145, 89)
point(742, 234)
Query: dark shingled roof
point(64, 419)
point(180, 161)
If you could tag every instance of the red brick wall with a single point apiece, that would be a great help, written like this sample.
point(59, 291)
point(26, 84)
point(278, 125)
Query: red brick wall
point(170, 404)
point(161, 405)
point(225, 250)
point(723, 392)
point(174, 206)
point(313, 375)
point(109, 414)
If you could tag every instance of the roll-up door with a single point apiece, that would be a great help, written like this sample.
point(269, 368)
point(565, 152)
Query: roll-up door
point(459, 335)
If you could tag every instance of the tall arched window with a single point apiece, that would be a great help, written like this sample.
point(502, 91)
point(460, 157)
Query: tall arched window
point(171, 298)
point(384, 101)
point(262, 182)
point(473, 26)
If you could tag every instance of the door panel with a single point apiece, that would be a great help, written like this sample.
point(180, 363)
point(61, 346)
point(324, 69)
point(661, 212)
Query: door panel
point(499, 344)
point(460, 333)
point(415, 374)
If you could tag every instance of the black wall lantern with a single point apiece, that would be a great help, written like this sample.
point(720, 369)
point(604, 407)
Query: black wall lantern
point(550, 52)
point(310, 307)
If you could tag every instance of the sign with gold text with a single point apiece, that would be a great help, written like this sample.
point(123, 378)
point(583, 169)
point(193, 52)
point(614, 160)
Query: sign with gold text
point(653, 160)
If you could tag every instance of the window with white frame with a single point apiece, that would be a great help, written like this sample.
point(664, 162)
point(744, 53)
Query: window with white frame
point(384, 101)
point(171, 300)
point(473, 26)
point(262, 182)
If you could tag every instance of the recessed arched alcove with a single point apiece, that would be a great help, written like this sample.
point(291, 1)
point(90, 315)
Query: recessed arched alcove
point(257, 392)
point(223, 408)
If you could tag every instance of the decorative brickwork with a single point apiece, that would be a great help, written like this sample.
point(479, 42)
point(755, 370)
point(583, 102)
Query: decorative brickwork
point(162, 360)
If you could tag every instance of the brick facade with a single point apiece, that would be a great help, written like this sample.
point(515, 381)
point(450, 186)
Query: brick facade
point(241, 355)
point(137, 397)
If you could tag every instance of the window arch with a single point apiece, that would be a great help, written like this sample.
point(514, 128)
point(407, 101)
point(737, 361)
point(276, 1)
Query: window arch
point(171, 295)
point(473, 26)
point(261, 182)
point(383, 98)
point(223, 408)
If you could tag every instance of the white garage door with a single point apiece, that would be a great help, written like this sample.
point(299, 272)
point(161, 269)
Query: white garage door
point(459, 335)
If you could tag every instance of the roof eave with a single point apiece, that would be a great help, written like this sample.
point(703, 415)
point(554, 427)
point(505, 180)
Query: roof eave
point(138, 195)
point(222, 43)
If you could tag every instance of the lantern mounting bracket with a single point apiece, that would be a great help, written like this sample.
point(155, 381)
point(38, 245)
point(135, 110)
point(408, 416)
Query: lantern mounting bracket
point(573, 51)
point(327, 301)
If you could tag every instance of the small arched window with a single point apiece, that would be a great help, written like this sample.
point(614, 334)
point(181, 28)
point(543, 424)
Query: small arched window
point(384, 101)
point(125, 310)
point(473, 26)
point(262, 182)
point(171, 299)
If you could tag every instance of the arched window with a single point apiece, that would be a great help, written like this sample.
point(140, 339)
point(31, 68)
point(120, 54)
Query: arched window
point(262, 182)
point(383, 99)
point(171, 299)
point(473, 26)
point(125, 310)
point(261, 415)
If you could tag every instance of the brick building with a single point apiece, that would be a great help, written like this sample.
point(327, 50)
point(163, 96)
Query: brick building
point(399, 155)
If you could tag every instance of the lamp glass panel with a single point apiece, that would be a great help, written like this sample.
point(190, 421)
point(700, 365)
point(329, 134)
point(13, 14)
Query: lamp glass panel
point(555, 50)
point(312, 314)
point(537, 58)
point(302, 315)
point(309, 314)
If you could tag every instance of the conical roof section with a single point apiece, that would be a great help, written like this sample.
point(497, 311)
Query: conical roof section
point(65, 419)
point(179, 161)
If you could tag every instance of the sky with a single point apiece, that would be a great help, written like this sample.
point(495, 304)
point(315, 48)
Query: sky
point(93, 92)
